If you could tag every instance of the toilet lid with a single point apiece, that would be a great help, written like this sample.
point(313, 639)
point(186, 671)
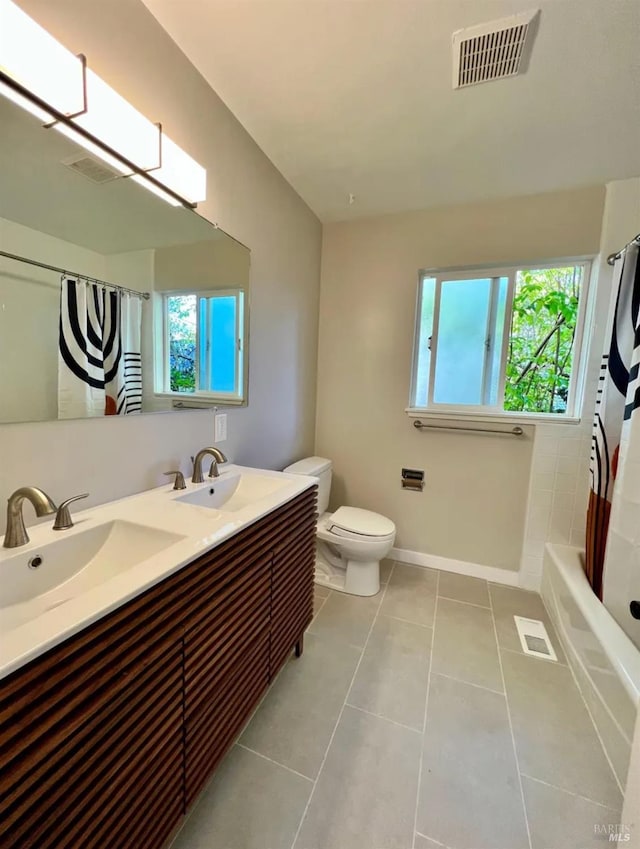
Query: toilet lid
point(364, 522)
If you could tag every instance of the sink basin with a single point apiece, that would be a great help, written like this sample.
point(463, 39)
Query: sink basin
point(65, 568)
point(234, 491)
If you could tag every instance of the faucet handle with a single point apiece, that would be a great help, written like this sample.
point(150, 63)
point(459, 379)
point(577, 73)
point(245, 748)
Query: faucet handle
point(213, 469)
point(179, 479)
point(63, 517)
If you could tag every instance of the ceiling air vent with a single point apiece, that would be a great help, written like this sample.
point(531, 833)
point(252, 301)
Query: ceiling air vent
point(92, 169)
point(494, 50)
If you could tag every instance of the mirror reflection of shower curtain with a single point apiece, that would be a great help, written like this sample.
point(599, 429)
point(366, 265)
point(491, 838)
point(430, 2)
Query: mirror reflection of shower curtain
point(618, 396)
point(99, 364)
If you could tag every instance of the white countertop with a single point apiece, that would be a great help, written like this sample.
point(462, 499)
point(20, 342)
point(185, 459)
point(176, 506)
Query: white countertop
point(200, 529)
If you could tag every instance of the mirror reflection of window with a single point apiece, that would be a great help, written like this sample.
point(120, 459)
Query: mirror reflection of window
point(202, 346)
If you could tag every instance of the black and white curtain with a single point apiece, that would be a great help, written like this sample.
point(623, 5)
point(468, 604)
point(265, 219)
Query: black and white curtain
point(618, 397)
point(99, 360)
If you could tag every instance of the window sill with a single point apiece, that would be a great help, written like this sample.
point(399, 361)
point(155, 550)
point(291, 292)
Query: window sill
point(513, 418)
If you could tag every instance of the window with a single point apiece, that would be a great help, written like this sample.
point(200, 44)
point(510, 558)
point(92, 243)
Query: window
point(199, 344)
point(500, 340)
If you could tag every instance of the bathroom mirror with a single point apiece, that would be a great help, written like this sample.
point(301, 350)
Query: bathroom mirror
point(184, 346)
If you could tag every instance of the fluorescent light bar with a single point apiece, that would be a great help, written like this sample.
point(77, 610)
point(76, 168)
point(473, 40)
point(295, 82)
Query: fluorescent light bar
point(156, 190)
point(33, 58)
point(181, 173)
point(119, 125)
point(24, 102)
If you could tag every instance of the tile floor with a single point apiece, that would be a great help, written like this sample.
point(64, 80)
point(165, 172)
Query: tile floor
point(414, 721)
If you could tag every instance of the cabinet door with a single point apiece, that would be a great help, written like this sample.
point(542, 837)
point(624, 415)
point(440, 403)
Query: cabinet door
point(92, 756)
point(226, 659)
point(292, 580)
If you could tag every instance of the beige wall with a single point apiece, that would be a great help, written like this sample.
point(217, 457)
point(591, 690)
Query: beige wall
point(222, 263)
point(476, 486)
point(248, 198)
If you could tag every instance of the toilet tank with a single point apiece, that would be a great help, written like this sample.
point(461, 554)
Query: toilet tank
point(317, 467)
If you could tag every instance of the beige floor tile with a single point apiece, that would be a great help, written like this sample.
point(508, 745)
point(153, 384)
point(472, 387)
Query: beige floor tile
point(508, 602)
point(558, 820)
point(464, 644)
point(318, 600)
point(555, 738)
point(295, 721)
point(463, 588)
point(346, 619)
point(320, 591)
point(385, 570)
point(392, 678)
point(250, 803)
point(411, 594)
point(469, 792)
point(365, 794)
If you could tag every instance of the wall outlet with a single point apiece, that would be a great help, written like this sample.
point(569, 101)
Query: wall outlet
point(220, 427)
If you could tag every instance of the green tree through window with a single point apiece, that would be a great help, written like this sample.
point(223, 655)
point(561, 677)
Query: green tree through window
point(543, 326)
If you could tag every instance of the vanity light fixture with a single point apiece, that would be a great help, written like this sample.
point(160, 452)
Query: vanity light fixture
point(30, 55)
point(42, 76)
point(154, 189)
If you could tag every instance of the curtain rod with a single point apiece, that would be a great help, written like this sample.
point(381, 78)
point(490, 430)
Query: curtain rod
point(105, 283)
point(611, 259)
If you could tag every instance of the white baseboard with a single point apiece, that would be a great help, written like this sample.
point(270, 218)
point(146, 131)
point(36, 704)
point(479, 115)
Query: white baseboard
point(460, 567)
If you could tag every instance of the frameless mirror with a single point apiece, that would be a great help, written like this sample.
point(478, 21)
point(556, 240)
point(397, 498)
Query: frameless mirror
point(73, 341)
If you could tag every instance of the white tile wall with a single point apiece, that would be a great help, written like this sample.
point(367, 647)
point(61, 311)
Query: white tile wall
point(558, 493)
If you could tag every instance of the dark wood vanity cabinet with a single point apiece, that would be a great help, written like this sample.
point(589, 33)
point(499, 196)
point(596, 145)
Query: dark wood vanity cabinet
point(107, 739)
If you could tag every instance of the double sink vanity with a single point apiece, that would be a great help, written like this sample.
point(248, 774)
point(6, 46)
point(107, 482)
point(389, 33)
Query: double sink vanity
point(135, 645)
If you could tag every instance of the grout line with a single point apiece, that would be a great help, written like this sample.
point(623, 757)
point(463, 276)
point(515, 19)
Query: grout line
point(513, 736)
point(316, 612)
point(426, 837)
point(408, 621)
point(424, 718)
point(571, 793)
point(335, 727)
point(385, 718)
point(277, 763)
point(468, 683)
point(535, 657)
point(470, 603)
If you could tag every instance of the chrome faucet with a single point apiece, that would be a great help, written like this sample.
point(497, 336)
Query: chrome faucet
point(16, 533)
point(218, 457)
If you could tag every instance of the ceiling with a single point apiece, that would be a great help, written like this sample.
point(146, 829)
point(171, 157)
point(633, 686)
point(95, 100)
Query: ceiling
point(355, 96)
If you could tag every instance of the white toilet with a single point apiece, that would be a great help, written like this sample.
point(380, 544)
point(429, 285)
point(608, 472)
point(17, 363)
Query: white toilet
point(350, 542)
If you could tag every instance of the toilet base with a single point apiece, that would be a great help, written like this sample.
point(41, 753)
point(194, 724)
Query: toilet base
point(358, 577)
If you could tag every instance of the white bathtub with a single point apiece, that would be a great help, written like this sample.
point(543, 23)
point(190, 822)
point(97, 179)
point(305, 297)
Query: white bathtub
point(604, 660)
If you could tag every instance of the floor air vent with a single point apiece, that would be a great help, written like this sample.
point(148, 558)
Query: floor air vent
point(494, 50)
point(534, 638)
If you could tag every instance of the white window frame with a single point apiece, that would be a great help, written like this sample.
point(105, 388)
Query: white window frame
point(496, 412)
point(162, 370)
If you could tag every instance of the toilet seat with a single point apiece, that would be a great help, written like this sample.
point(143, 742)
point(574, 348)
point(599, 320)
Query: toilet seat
point(353, 521)
point(357, 524)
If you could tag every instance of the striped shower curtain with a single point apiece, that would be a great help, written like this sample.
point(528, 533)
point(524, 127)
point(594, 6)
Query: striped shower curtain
point(618, 395)
point(99, 362)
